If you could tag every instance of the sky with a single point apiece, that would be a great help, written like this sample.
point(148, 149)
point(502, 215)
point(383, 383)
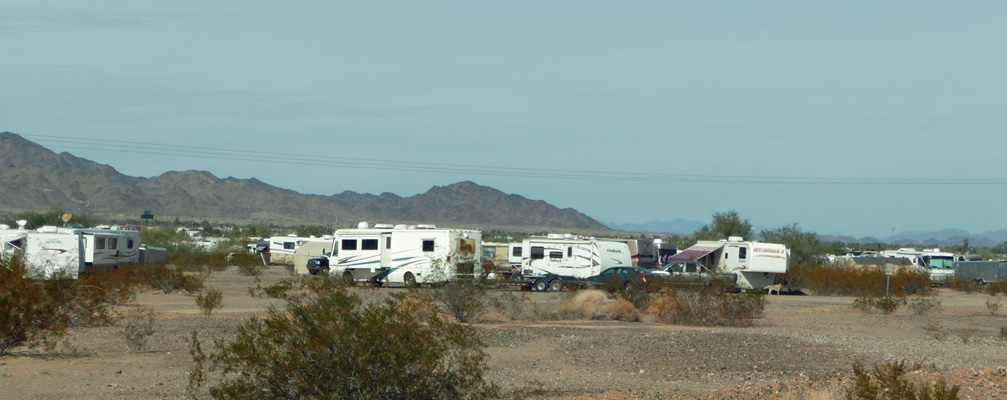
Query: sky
point(851, 117)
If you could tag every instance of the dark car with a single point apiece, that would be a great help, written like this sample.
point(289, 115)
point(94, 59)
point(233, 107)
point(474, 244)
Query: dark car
point(694, 273)
point(621, 277)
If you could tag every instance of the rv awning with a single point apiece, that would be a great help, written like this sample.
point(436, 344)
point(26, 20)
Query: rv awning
point(695, 252)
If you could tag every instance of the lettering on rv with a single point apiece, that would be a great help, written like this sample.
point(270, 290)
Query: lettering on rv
point(614, 251)
point(767, 250)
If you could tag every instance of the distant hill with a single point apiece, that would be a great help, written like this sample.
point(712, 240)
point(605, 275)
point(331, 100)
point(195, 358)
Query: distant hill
point(677, 226)
point(36, 178)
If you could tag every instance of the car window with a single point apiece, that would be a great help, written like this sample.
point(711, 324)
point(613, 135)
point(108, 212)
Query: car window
point(690, 267)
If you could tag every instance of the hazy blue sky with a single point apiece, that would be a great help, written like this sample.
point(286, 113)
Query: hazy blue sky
point(901, 92)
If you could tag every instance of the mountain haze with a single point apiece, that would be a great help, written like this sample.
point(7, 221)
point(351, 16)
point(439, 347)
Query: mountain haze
point(36, 178)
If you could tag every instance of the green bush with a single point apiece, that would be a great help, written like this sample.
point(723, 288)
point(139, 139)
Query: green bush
point(965, 285)
point(882, 304)
point(837, 280)
point(996, 288)
point(329, 344)
point(210, 300)
point(924, 306)
point(708, 306)
point(888, 382)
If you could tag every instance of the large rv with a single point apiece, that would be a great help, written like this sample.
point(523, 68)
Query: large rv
point(753, 264)
point(405, 255)
point(939, 265)
point(549, 262)
point(106, 249)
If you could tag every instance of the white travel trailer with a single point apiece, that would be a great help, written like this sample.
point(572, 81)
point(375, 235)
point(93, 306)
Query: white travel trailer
point(753, 264)
point(547, 263)
point(282, 248)
point(46, 252)
point(109, 248)
point(401, 254)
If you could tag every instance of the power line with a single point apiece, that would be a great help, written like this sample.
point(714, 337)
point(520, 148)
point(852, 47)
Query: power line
point(171, 150)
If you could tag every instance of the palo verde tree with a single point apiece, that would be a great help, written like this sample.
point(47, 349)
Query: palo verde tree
point(725, 225)
point(805, 248)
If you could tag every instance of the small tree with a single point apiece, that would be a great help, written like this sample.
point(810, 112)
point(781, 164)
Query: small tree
point(724, 225)
point(210, 300)
point(328, 344)
point(805, 248)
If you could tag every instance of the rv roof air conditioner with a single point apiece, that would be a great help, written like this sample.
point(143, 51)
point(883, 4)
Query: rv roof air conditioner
point(426, 226)
point(383, 226)
point(735, 239)
point(363, 225)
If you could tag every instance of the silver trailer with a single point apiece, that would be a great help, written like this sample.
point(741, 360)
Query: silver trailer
point(981, 271)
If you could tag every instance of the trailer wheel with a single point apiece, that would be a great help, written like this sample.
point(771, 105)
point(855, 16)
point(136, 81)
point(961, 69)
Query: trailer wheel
point(556, 285)
point(348, 278)
point(409, 279)
point(540, 285)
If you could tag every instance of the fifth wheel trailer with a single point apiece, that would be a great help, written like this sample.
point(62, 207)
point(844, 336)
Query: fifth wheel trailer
point(753, 264)
point(981, 271)
point(547, 263)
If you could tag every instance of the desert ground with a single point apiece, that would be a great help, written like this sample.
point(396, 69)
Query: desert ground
point(803, 348)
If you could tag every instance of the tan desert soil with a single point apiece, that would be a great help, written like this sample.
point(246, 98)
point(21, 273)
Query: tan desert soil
point(802, 349)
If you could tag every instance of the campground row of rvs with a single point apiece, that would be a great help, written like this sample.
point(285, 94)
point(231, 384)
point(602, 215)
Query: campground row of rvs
point(416, 254)
point(52, 251)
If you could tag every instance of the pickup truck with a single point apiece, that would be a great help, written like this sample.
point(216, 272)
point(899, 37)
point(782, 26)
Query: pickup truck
point(694, 273)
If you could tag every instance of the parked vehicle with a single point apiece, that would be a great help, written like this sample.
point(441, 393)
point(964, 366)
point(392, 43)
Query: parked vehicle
point(694, 273)
point(981, 271)
point(547, 263)
point(939, 265)
point(407, 255)
point(621, 277)
point(752, 264)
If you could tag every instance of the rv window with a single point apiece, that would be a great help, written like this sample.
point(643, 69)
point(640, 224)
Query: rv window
point(569, 251)
point(556, 255)
point(369, 244)
point(537, 253)
point(428, 245)
point(289, 245)
point(388, 242)
point(113, 243)
point(129, 243)
point(742, 253)
point(517, 252)
point(99, 243)
point(349, 244)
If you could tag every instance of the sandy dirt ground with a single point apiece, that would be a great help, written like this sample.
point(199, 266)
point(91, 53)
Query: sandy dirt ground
point(803, 348)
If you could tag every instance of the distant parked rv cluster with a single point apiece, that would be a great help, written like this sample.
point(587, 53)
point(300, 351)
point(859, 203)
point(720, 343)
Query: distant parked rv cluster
point(68, 252)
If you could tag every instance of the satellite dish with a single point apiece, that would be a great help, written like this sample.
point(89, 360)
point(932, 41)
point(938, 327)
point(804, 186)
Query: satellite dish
point(67, 216)
point(21, 223)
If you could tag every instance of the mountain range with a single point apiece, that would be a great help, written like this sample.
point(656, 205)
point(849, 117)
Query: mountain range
point(36, 178)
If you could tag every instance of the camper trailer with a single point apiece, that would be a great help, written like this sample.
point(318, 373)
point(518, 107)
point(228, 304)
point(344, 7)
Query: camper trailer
point(981, 271)
point(753, 264)
point(402, 255)
point(282, 248)
point(550, 262)
point(106, 249)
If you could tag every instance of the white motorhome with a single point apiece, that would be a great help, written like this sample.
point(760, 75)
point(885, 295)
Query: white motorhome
point(546, 263)
point(401, 254)
point(938, 264)
point(753, 264)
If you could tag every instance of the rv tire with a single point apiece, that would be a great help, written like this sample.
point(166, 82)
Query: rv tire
point(556, 285)
point(540, 285)
point(348, 278)
point(409, 279)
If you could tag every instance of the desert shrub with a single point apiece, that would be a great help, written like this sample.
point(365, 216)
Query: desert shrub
point(170, 279)
point(935, 331)
point(210, 300)
point(137, 327)
point(187, 257)
point(882, 304)
point(967, 335)
point(587, 304)
point(888, 381)
point(837, 280)
point(28, 315)
point(623, 310)
point(965, 285)
point(996, 288)
point(993, 306)
point(117, 286)
point(1003, 333)
point(708, 306)
point(251, 269)
point(216, 262)
point(244, 260)
point(328, 344)
point(513, 304)
point(924, 306)
point(461, 299)
point(638, 294)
